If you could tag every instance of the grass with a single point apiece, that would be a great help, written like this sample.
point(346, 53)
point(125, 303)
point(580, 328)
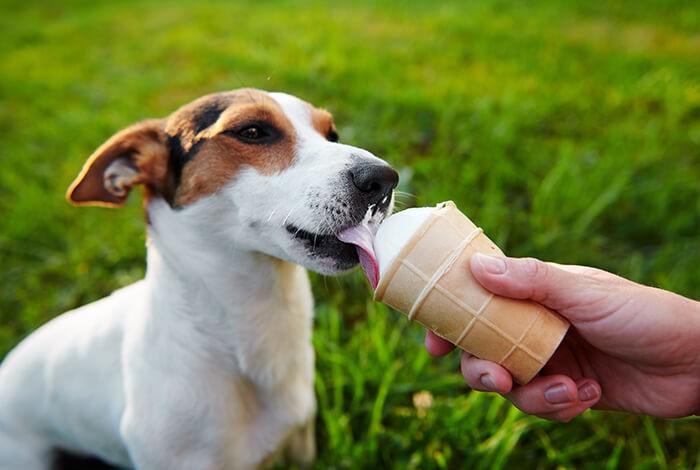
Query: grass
point(569, 130)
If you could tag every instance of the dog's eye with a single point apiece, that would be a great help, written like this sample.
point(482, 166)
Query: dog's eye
point(332, 136)
point(252, 133)
point(255, 133)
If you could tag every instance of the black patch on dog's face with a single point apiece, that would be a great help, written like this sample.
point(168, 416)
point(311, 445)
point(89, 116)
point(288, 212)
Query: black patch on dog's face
point(178, 157)
point(187, 123)
point(209, 113)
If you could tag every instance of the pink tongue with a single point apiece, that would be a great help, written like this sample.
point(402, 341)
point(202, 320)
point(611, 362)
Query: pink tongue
point(361, 236)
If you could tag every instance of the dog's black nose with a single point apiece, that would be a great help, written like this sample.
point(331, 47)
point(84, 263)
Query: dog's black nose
point(374, 180)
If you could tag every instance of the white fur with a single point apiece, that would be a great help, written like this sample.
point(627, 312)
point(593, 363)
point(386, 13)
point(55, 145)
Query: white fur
point(207, 363)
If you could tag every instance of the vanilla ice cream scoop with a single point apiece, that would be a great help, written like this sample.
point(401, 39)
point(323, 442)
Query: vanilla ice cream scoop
point(419, 261)
point(395, 232)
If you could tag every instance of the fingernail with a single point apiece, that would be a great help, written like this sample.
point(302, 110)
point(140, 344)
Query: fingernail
point(488, 382)
point(491, 264)
point(587, 391)
point(558, 394)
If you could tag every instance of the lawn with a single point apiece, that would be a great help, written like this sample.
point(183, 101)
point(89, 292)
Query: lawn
point(569, 131)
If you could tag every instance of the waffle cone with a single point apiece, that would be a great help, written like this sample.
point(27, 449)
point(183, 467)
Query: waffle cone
point(430, 282)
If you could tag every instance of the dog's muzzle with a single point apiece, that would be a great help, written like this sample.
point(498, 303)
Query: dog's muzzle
point(364, 199)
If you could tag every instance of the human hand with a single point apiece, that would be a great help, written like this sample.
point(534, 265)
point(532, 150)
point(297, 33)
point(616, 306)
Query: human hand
point(631, 347)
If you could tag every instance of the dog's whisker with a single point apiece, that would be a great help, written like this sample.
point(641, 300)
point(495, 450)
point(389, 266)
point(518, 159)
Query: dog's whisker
point(403, 194)
point(403, 200)
point(269, 217)
point(284, 222)
point(332, 229)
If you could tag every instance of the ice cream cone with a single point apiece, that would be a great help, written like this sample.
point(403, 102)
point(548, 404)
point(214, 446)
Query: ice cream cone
point(430, 281)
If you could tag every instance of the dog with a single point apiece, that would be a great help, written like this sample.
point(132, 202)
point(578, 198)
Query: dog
point(207, 362)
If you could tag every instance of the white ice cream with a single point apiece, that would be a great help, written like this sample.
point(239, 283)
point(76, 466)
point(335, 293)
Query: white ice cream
point(395, 231)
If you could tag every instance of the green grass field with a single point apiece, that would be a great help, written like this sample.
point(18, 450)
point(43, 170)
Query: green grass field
point(569, 130)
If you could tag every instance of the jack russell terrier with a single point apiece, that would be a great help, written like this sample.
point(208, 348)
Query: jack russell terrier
point(207, 363)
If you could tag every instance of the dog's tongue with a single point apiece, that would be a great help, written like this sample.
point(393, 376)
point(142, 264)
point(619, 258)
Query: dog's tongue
point(361, 236)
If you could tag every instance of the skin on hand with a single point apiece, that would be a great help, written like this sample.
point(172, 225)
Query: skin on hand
point(632, 348)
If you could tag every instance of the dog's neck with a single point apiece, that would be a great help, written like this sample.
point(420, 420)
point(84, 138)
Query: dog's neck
point(232, 305)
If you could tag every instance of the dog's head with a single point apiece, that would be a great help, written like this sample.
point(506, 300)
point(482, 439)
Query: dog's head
point(256, 171)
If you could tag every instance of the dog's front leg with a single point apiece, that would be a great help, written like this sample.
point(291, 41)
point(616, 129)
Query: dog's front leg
point(179, 421)
point(144, 430)
point(175, 422)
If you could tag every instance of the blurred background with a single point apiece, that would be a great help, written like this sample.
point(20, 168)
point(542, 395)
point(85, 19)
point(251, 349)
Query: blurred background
point(569, 130)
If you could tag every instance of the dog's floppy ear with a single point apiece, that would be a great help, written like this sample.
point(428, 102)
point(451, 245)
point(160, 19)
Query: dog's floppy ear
point(133, 156)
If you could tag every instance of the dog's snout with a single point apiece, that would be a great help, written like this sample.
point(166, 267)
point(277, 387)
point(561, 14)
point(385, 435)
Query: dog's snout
point(375, 181)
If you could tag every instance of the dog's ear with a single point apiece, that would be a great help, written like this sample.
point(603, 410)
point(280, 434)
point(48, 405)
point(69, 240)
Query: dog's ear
point(138, 155)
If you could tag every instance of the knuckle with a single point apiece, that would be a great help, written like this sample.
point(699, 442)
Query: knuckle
point(537, 274)
point(534, 268)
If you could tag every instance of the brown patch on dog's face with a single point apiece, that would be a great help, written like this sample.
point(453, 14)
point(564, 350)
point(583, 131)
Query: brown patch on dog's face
point(213, 137)
point(322, 121)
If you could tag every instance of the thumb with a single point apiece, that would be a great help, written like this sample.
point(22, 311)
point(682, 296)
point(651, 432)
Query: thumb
point(560, 288)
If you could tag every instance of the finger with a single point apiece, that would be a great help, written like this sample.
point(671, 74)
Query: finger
point(555, 397)
point(546, 283)
point(437, 346)
point(485, 376)
point(588, 395)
